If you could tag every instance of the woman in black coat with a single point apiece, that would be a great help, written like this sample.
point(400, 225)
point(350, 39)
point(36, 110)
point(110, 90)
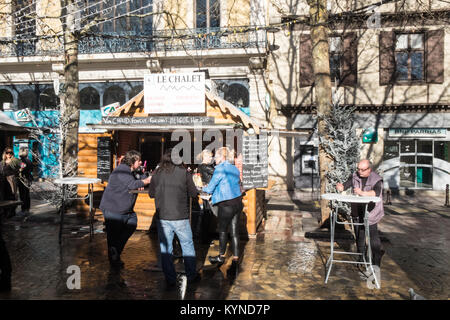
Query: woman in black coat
point(9, 172)
point(25, 179)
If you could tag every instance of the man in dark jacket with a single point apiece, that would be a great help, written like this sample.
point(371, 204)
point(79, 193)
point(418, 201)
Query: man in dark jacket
point(171, 186)
point(117, 205)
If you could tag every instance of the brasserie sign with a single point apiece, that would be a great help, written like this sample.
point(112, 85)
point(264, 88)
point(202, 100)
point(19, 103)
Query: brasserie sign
point(418, 132)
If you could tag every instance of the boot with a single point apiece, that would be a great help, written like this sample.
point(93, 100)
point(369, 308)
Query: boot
point(233, 271)
point(217, 260)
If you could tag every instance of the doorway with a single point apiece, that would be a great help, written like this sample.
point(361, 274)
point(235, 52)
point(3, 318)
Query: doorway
point(416, 162)
point(151, 147)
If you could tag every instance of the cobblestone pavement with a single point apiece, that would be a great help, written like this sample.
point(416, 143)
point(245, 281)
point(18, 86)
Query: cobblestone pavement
point(281, 263)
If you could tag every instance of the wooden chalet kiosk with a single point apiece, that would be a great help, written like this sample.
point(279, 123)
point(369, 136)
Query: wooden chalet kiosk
point(130, 127)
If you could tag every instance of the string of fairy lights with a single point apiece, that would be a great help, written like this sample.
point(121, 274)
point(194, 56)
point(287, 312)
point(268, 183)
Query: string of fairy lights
point(26, 17)
point(96, 13)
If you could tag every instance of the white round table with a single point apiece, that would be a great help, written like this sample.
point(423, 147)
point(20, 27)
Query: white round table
point(333, 220)
point(76, 181)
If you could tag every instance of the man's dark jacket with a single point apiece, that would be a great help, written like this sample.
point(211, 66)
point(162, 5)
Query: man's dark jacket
point(27, 172)
point(171, 190)
point(117, 197)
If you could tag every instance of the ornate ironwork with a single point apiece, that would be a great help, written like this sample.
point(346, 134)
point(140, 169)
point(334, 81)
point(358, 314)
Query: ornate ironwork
point(113, 43)
point(158, 40)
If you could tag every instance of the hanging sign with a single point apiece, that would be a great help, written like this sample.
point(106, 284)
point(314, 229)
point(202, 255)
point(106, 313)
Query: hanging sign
point(110, 108)
point(370, 135)
point(22, 115)
point(174, 93)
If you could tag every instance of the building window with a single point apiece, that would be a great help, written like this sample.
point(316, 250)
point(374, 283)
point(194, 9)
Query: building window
point(207, 13)
point(6, 98)
point(28, 99)
point(114, 94)
point(89, 99)
point(416, 161)
point(48, 99)
point(135, 91)
point(409, 57)
point(335, 53)
point(391, 150)
point(236, 92)
point(121, 16)
point(24, 21)
point(25, 26)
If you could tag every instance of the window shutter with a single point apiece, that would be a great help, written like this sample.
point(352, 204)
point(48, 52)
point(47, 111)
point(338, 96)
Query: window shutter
point(306, 61)
point(435, 56)
point(386, 56)
point(349, 60)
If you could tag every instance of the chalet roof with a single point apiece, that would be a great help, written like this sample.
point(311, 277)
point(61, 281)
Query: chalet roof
point(213, 100)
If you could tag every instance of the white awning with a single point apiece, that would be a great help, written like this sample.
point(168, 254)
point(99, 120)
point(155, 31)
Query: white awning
point(8, 124)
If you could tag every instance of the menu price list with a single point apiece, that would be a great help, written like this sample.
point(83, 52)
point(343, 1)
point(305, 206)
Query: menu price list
point(103, 158)
point(255, 162)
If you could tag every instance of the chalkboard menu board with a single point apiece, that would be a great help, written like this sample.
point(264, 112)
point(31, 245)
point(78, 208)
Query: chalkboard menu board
point(255, 172)
point(103, 158)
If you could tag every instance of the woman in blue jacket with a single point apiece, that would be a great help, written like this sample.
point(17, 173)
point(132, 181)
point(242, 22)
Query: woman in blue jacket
point(226, 193)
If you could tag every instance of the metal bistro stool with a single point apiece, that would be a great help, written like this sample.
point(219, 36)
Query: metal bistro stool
point(78, 180)
point(333, 217)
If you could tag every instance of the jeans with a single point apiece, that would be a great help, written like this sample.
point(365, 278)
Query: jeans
point(119, 228)
point(166, 231)
point(24, 192)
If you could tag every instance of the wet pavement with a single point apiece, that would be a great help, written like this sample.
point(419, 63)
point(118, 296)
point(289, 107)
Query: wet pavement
point(286, 261)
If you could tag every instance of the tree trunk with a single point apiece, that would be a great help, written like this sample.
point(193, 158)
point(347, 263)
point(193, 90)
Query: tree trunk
point(70, 108)
point(321, 63)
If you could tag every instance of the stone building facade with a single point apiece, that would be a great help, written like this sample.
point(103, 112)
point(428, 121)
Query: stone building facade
point(389, 61)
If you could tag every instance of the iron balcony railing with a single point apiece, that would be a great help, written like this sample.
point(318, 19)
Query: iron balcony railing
point(158, 40)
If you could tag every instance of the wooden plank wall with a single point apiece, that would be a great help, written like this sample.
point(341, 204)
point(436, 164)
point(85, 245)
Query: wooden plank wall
point(254, 210)
point(253, 201)
point(87, 167)
point(260, 207)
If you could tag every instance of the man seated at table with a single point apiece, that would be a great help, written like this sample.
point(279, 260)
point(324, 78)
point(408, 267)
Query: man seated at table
point(366, 182)
point(117, 205)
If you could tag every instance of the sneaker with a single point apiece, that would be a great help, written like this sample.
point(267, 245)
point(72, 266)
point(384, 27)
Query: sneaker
point(114, 259)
